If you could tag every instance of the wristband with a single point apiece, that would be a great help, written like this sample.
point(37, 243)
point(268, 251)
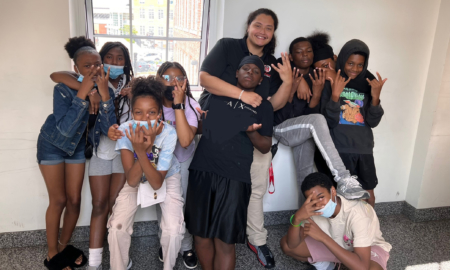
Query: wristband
point(301, 223)
point(241, 94)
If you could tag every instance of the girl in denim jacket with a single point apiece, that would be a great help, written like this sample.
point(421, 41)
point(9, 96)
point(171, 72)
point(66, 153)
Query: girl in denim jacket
point(60, 150)
point(106, 174)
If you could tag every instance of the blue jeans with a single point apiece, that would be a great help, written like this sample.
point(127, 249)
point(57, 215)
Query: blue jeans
point(48, 154)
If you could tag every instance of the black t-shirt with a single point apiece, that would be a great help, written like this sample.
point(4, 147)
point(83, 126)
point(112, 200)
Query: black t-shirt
point(225, 150)
point(223, 61)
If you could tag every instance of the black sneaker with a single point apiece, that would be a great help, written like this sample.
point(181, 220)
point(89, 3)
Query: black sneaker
point(263, 254)
point(160, 255)
point(190, 259)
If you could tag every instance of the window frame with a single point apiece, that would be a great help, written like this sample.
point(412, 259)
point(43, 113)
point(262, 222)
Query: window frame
point(167, 38)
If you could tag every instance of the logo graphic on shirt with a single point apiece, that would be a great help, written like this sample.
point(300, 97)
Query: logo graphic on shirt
point(267, 68)
point(240, 105)
point(172, 123)
point(351, 111)
point(348, 241)
point(153, 157)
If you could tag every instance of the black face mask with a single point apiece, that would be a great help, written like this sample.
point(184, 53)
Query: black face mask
point(168, 92)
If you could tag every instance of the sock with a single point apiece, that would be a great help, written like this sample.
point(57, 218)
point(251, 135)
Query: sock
point(95, 256)
point(323, 265)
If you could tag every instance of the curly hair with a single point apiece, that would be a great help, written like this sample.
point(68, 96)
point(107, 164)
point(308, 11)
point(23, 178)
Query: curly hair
point(120, 100)
point(297, 40)
point(148, 87)
point(316, 179)
point(270, 47)
point(78, 45)
point(165, 66)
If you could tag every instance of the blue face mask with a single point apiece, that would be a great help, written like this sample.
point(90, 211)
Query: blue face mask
point(143, 123)
point(329, 208)
point(114, 71)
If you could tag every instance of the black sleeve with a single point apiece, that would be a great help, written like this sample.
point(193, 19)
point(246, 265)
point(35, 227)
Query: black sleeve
point(275, 81)
point(329, 108)
point(215, 62)
point(374, 114)
point(283, 114)
point(265, 117)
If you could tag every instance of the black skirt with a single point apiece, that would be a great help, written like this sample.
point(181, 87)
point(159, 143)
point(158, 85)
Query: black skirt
point(216, 207)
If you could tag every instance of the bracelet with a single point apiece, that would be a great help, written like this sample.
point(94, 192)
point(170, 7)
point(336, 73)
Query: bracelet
point(241, 94)
point(301, 223)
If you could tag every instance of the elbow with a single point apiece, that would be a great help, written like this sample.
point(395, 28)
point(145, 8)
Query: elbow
point(53, 77)
point(202, 78)
point(184, 143)
point(156, 186)
point(265, 149)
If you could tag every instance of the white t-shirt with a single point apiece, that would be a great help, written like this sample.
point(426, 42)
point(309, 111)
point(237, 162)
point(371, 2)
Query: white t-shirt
point(106, 146)
point(356, 225)
point(192, 117)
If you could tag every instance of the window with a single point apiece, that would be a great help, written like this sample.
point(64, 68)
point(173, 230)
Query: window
point(176, 33)
point(151, 14)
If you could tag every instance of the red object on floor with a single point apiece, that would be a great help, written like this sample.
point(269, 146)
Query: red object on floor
point(271, 179)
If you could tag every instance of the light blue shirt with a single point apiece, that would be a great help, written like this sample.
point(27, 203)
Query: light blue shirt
point(163, 147)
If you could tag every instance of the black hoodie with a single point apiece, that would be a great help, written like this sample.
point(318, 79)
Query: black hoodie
point(352, 118)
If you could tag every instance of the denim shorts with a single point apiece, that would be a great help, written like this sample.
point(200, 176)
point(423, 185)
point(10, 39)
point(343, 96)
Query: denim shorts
point(48, 154)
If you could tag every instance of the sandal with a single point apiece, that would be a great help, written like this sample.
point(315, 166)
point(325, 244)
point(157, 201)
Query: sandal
point(71, 254)
point(57, 262)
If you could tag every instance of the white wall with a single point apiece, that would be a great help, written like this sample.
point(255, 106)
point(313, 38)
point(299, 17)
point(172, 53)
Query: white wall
point(400, 36)
point(435, 186)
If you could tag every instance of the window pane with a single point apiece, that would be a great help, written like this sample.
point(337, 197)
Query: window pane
point(150, 16)
point(100, 41)
point(148, 55)
point(187, 18)
point(187, 53)
point(111, 17)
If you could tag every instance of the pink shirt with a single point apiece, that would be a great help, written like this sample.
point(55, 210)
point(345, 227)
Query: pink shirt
point(192, 117)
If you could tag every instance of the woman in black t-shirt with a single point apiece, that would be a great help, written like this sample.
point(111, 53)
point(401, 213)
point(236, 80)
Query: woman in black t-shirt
point(219, 179)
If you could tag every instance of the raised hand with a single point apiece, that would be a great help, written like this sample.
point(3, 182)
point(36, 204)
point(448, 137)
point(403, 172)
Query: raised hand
point(254, 127)
point(308, 209)
point(330, 72)
point(87, 84)
point(295, 80)
point(284, 68)
point(376, 86)
point(179, 93)
point(337, 84)
point(152, 131)
point(114, 133)
point(126, 91)
point(102, 83)
point(136, 138)
point(318, 81)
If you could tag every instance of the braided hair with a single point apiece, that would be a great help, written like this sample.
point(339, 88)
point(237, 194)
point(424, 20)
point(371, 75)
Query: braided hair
point(120, 101)
point(148, 87)
point(165, 66)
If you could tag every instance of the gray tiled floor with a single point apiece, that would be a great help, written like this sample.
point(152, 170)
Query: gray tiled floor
point(414, 245)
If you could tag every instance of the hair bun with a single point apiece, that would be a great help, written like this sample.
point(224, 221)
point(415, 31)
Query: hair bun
point(75, 43)
point(319, 39)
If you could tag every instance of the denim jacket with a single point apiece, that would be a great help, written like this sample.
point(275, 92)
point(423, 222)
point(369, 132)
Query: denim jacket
point(65, 127)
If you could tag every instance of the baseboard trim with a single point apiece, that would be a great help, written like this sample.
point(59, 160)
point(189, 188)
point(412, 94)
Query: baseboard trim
point(149, 228)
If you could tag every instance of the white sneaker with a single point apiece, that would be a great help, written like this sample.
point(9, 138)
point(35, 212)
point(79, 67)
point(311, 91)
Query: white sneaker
point(323, 265)
point(130, 263)
point(351, 189)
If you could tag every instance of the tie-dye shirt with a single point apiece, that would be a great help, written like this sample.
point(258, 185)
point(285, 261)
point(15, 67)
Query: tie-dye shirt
point(162, 156)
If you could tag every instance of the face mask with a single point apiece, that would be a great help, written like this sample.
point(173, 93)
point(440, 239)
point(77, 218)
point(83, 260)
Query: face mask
point(80, 78)
point(168, 92)
point(114, 71)
point(329, 208)
point(143, 123)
